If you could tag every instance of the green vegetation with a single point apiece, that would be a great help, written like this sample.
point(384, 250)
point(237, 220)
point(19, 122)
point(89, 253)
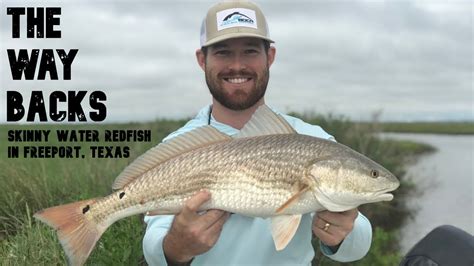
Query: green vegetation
point(454, 128)
point(32, 184)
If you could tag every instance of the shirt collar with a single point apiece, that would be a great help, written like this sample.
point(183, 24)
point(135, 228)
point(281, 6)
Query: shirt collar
point(203, 115)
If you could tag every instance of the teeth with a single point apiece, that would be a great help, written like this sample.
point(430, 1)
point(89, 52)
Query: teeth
point(237, 80)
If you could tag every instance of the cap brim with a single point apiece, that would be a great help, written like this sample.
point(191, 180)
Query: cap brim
point(235, 35)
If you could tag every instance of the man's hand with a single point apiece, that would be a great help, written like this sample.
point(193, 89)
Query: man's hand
point(192, 234)
point(333, 227)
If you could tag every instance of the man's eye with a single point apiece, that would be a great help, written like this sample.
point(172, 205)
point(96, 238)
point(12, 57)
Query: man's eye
point(251, 51)
point(222, 52)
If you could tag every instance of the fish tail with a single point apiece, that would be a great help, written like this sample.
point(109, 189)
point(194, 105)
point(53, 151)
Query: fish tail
point(77, 233)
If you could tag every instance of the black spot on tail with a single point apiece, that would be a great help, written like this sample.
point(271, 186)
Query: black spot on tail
point(86, 209)
point(121, 195)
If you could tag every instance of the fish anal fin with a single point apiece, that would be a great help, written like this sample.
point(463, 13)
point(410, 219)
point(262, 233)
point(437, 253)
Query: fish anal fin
point(301, 189)
point(265, 122)
point(284, 228)
point(185, 142)
point(77, 234)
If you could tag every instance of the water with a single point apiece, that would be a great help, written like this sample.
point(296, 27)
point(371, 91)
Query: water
point(446, 179)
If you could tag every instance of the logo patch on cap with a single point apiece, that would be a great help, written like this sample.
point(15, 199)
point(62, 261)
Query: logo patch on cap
point(236, 17)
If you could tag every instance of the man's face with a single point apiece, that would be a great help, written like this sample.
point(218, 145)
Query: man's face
point(237, 71)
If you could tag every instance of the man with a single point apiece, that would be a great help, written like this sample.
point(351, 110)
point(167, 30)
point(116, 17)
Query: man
point(236, 56)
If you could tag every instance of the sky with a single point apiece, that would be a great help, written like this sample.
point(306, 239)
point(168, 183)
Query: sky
point(405, 60)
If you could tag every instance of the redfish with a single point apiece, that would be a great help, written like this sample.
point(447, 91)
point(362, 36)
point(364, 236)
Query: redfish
point(267, 170)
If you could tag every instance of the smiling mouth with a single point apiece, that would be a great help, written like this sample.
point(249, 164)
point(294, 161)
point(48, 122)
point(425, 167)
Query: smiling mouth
point(237, 80)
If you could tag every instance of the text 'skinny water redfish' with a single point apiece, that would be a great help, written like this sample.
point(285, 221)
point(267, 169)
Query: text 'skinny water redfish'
point(267, 170)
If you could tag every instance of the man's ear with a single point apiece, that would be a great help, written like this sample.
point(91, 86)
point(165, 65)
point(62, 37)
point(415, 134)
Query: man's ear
point(201, 59)
point(271, 55)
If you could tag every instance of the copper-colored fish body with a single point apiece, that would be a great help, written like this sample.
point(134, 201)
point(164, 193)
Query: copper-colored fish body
point(266, 171)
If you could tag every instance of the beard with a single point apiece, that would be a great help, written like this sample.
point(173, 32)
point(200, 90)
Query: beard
point(240, 99)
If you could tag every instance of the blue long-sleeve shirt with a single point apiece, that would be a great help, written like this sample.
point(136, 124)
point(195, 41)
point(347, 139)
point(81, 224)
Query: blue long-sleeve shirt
point(247, 240)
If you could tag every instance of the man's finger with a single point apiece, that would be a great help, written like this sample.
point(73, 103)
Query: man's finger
point(216, 227)
point(192, 205)
point(325, 237)
point(320, 233)
point(211, 217)
point(321, 224)
point(330, 217)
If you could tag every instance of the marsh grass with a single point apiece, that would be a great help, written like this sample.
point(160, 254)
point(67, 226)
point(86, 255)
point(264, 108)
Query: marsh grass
point(454, 128)
point(29, 185)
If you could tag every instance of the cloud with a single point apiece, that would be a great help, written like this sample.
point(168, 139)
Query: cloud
point(411, 59)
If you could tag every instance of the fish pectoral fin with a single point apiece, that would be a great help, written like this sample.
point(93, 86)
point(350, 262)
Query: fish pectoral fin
point(284, 228)
point(294, 198)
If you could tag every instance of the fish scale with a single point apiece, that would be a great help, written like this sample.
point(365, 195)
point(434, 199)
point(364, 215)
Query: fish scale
point(267, 170)
point(247, 165)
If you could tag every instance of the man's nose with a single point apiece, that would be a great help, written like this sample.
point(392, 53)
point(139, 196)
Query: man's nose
point(237, 63)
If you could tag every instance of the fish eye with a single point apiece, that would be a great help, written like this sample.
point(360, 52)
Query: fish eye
point(374, 173)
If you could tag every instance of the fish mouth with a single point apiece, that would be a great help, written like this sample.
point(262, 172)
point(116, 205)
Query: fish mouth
point(384, 197)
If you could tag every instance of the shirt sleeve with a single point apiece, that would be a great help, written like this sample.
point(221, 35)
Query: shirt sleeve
point(356, 245)
point(157, 228)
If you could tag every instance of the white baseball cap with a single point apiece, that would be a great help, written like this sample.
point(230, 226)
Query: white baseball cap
point(233, 19)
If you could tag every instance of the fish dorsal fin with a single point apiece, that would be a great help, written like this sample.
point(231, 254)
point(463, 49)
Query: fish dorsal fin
point(265, 122)
point(162, 152)
point(284, 228)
